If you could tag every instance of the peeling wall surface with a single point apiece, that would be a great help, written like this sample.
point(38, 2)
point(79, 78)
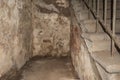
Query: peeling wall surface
point(83, 63)
point(28, 29)
point(51, 26)
point(15, 34)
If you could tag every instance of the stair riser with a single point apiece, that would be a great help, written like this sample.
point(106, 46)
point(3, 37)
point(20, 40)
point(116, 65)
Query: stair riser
point(109, 15)
point(98, 45)
point(92, 27)
point(96, 36)
point(117, 28)
point(107, 76)
point(84, 15)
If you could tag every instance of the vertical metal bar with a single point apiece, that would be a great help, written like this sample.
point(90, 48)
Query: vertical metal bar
point(93, 5)
point(105, 12)
point(98, 3)
point(97, 23)
point(113, 25)
point(83, 4)
point(96, 6)
point(80, 1)
point(89, 9)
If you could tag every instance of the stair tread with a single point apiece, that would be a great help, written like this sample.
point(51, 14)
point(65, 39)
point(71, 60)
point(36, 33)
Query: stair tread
point(96, 36)
point(89, 21)
point(110, 63)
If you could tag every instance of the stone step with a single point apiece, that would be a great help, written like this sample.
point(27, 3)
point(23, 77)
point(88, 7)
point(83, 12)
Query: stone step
point(108, 66)
point(96, 36)
point(80, 12)
point(105, 75)
point(101, 3)
point(97, 41)
point(83, 7)
point(111, 64)
point(91, 26)
point(84, 15)
point(117, 28)
point(98, 45)
point(109, 5)
point(78, 7)
point(109, 14)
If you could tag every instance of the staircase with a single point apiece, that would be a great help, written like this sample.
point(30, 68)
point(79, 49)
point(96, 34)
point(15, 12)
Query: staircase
point(98, 42)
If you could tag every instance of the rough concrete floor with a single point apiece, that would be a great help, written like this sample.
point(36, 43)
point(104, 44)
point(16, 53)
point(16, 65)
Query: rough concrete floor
point(48, 69)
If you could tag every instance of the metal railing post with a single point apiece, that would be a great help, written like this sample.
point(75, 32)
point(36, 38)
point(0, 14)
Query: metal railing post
point(105, 11)
point(106, 29)
point(97, 13)
point(113, 24)
point(89, 9)
point(94, 5)
point(83, 4)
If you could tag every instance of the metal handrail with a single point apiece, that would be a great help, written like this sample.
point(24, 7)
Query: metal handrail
point(103, 22)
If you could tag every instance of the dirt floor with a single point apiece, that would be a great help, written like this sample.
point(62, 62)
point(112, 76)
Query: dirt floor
point(47, 69)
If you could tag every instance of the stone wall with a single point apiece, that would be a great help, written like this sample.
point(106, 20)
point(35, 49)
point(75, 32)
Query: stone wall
point(15, 34)
point(51, 26)
point(83, 63)
point(41, 27)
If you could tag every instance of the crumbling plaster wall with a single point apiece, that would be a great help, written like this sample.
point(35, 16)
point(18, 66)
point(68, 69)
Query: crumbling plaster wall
point(51, 24)
point(82, 62)
point(15, 34)
point(40, 26)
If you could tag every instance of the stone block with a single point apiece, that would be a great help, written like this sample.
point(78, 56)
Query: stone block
point(91, 26)
point(109, 63)
point(51, 28)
